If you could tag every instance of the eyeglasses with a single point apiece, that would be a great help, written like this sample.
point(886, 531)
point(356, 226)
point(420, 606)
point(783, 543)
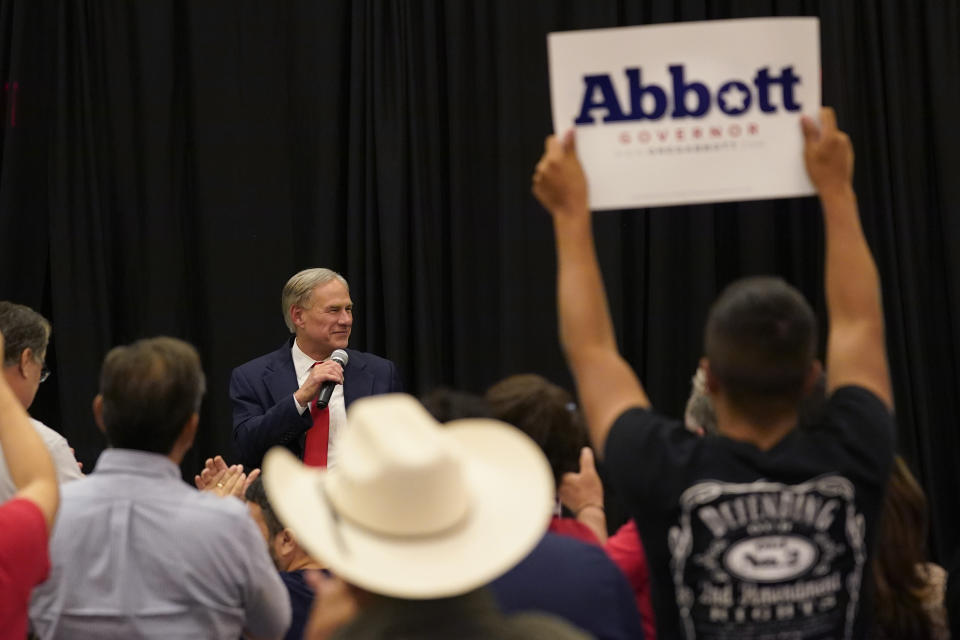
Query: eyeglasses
point(44, 373)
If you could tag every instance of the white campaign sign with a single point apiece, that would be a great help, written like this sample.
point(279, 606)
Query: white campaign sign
point(690, 112)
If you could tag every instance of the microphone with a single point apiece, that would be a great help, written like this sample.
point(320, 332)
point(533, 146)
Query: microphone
point(326, 389)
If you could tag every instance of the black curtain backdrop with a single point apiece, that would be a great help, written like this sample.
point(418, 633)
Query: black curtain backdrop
point(167, 165)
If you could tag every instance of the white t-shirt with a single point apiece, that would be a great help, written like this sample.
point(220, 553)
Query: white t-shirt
point(63, 460)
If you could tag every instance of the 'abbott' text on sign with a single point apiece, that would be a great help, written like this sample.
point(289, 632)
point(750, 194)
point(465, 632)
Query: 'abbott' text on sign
point(687, 113)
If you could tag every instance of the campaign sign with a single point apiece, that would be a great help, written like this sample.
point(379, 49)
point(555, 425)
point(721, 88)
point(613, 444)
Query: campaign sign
point(687, 113)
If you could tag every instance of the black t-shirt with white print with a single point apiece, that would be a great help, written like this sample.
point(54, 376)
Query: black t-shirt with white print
point(745, 544)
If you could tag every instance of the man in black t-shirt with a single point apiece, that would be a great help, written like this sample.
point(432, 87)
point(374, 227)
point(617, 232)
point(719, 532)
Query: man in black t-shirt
point(764, 531)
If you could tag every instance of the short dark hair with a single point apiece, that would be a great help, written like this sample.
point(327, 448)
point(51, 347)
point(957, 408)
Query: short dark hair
point(446, 404)
point(258, 496)
point(150, 389)
point(760, 340)
point(22, 328)
point(546, 413)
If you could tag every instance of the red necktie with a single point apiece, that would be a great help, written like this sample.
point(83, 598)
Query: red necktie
point(318, 437)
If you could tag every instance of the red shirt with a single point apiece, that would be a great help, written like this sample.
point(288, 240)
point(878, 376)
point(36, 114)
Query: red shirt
point(572, 528)
point(24, 562)
point(626, 551)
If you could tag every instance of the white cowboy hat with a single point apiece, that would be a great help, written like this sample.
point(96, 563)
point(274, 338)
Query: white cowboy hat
point(414, 509)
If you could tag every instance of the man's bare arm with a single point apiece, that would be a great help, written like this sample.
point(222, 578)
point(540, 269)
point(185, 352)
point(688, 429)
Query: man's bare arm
point(606, 385)
point(856, 348)
point(28, 460)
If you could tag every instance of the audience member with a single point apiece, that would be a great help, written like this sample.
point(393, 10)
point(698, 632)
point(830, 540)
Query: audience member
point(562, 575)
point(288, 557)
point(27, 518)
point(547, 413)
point(624, 547)
point(27, 334)
point(137, 553)
point(420, 518)
point(909, 590)
point(274, 395)
point(766, 530)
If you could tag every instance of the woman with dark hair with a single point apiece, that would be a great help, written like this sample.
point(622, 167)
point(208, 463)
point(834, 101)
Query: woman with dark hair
point(547, 413)
point(909, 590)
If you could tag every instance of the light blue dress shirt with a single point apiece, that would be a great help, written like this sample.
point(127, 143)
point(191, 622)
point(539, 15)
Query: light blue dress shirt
point(138, 553)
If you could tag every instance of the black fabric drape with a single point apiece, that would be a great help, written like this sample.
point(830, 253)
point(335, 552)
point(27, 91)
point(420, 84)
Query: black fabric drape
point(167, 165)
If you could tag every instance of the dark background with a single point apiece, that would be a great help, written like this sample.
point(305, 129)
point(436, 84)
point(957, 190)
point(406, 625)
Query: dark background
point(166, 166)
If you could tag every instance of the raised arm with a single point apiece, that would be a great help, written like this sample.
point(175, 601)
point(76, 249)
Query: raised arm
point(26, 456)
point(856, 348)
point(606, 385)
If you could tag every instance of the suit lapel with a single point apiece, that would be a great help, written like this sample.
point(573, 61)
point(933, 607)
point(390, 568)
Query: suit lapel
point(280, 377)
point(357, 381)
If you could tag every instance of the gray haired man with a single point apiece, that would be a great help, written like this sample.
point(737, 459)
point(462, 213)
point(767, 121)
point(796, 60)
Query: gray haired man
point(27, 334)
point(274, 395)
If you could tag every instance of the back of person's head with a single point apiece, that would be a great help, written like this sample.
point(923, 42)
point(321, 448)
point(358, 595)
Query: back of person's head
point(150, 390)
point(546, 413)
point(446, 405)
point(760, 341)
point(22, 328)
point(899, 570)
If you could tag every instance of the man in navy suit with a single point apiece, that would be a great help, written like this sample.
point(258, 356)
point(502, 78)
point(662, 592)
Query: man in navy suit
point(273, 395)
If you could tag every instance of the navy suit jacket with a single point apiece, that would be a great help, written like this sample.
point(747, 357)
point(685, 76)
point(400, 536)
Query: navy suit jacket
point(264, 413)
point(575, 581)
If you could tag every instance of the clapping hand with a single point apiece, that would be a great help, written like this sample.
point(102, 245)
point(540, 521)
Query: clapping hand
point(216, 477)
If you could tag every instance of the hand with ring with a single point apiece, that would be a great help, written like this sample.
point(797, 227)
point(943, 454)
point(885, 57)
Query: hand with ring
point(216, 477)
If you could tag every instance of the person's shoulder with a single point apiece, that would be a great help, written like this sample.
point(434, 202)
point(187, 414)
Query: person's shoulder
point(856, 411)
point(588, 561)
point(644, 426)
point(266, 361)
point(297, 585)
point(855, 394)
point(50, 436)
point(18, 512)
point(532, 625)
point(368, 359)
point(221, 523)
point(206, 506)
point(634, 416)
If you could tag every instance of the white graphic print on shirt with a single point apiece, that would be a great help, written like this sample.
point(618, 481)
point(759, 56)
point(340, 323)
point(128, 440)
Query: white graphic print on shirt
point(768, 560)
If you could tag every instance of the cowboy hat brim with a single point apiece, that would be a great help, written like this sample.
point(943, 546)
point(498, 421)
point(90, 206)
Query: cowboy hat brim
point(510, 488)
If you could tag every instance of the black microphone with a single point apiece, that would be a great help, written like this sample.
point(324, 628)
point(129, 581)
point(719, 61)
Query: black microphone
point(326, 389)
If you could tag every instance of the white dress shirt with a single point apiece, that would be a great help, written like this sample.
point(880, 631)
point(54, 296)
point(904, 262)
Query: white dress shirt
point(338, 408)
